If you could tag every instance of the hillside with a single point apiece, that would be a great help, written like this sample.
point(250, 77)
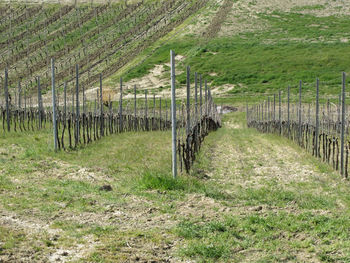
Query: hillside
point(107, 193)
point(242, 47)
point(249, 48)
point(100, 38)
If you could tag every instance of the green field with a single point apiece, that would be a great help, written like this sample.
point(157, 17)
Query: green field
point(250, 197)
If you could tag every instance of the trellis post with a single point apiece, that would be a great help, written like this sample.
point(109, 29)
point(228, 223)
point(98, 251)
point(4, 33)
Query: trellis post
point(342, 126)
point(7, 100)
point(299, 133)
point(188, 126)
point(121, 106)
point(173, 113)
point(53, 103)
point(77, 132)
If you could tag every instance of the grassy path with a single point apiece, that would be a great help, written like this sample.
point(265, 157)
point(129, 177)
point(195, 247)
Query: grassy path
point(282, 204)
point(251, 198)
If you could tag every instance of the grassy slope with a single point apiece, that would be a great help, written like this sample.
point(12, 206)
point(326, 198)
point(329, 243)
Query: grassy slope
point(257, 198)
point(292, 47)
point(260, 198)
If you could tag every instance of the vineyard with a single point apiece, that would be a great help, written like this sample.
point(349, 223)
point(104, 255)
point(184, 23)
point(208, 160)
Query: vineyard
point(100, 38)
point(174, 131)
point(323, 130)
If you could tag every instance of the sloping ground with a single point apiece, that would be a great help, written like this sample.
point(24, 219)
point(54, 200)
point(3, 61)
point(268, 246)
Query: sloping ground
point(251, 198)
point(259, 46)
point(100, 38)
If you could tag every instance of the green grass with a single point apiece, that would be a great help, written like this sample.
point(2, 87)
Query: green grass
point(213, 213)
point(296, 220)
point(292, 47)
point(222, 239)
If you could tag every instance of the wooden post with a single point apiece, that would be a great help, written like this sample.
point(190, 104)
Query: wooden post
point(342, 126)
point(53, 103)
point(173, 113)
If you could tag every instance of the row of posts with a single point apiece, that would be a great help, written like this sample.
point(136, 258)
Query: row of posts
point(197, 104)
point(342, 106)
point(120, 112)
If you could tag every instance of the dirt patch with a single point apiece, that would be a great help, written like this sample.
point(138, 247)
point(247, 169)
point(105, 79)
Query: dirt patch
point(218, 20)
point(62, 170)
point(244, 16)
point(153, 80)
point(200, 206)
point(27, 224)
point(202, 20)
point(76, 252)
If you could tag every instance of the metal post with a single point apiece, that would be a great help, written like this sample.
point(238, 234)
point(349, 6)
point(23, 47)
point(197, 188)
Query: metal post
point(200, 95)
point(121, 106)
point(268, 109)
point(101, 108)
point(279, 111)
point(83, 87)
point(317, 118)
point(65, 99)
point(206, 97)
point(288, 109)
point(188, 126)
point(154, 111)
point(77, 103)
point(19, 95)
point(7, 101)
point(160, 113)
point(196, 96)
point(274, 107)
point(299, 134)
point(25, 101)
point(40, 104)
point(166, 112)
point(135, 107)
point(173, 113)
point(53, 103)
point(146, 111)
point(342, 127)
point(247, 113)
